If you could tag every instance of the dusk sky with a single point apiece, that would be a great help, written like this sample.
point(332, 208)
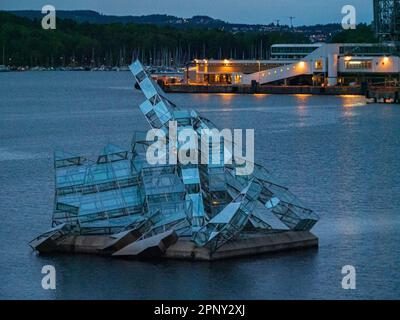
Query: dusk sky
point(241, 11)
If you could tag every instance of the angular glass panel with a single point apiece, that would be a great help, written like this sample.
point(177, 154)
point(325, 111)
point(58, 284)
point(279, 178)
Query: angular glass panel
point(148, 89)
point(141, 76)
point(155, 99)
point(136, 67)
point(146, 107)
point(190, 176)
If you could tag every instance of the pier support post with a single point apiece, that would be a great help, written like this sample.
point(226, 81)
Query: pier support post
point(254, 86)
point(332, 69)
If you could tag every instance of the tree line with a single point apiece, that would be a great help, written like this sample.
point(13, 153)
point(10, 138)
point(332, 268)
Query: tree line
point(25, 43)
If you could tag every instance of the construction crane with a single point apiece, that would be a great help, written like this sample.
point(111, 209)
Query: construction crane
point(291, 18)
point(387, 19)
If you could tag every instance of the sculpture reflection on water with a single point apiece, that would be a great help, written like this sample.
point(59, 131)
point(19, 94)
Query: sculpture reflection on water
point(125, 205)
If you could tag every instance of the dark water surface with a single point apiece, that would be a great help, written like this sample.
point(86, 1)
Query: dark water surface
point(339, 154)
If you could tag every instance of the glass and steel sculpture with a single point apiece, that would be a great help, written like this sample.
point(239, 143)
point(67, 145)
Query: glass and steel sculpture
point(208, 203)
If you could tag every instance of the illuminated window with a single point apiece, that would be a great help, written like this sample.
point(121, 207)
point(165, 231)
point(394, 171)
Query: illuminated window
point(318, 65)
point(358, 64)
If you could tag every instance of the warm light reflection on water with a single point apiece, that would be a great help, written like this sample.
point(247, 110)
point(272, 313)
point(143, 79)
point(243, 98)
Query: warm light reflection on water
point(354, 104)
point(227, 96)
point(261, 95)
point(302, 96)
point(351, 101)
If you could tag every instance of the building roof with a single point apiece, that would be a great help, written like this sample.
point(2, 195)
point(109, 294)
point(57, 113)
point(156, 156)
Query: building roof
point(298, 45)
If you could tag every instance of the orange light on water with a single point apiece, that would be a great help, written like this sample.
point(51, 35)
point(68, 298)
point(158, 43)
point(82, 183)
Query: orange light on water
point(302, 95)
point(260, 95)
point(227, 96)
point(349, 96)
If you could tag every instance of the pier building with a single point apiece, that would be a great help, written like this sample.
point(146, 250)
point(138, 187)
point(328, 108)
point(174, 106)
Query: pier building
point(323, 64)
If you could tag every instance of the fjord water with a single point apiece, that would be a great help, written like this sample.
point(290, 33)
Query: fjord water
point(338, 154)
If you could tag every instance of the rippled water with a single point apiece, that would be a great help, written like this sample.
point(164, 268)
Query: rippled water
point(339, 154)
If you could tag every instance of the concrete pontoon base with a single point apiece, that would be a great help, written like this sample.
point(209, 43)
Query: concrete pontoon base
point(247, 245)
